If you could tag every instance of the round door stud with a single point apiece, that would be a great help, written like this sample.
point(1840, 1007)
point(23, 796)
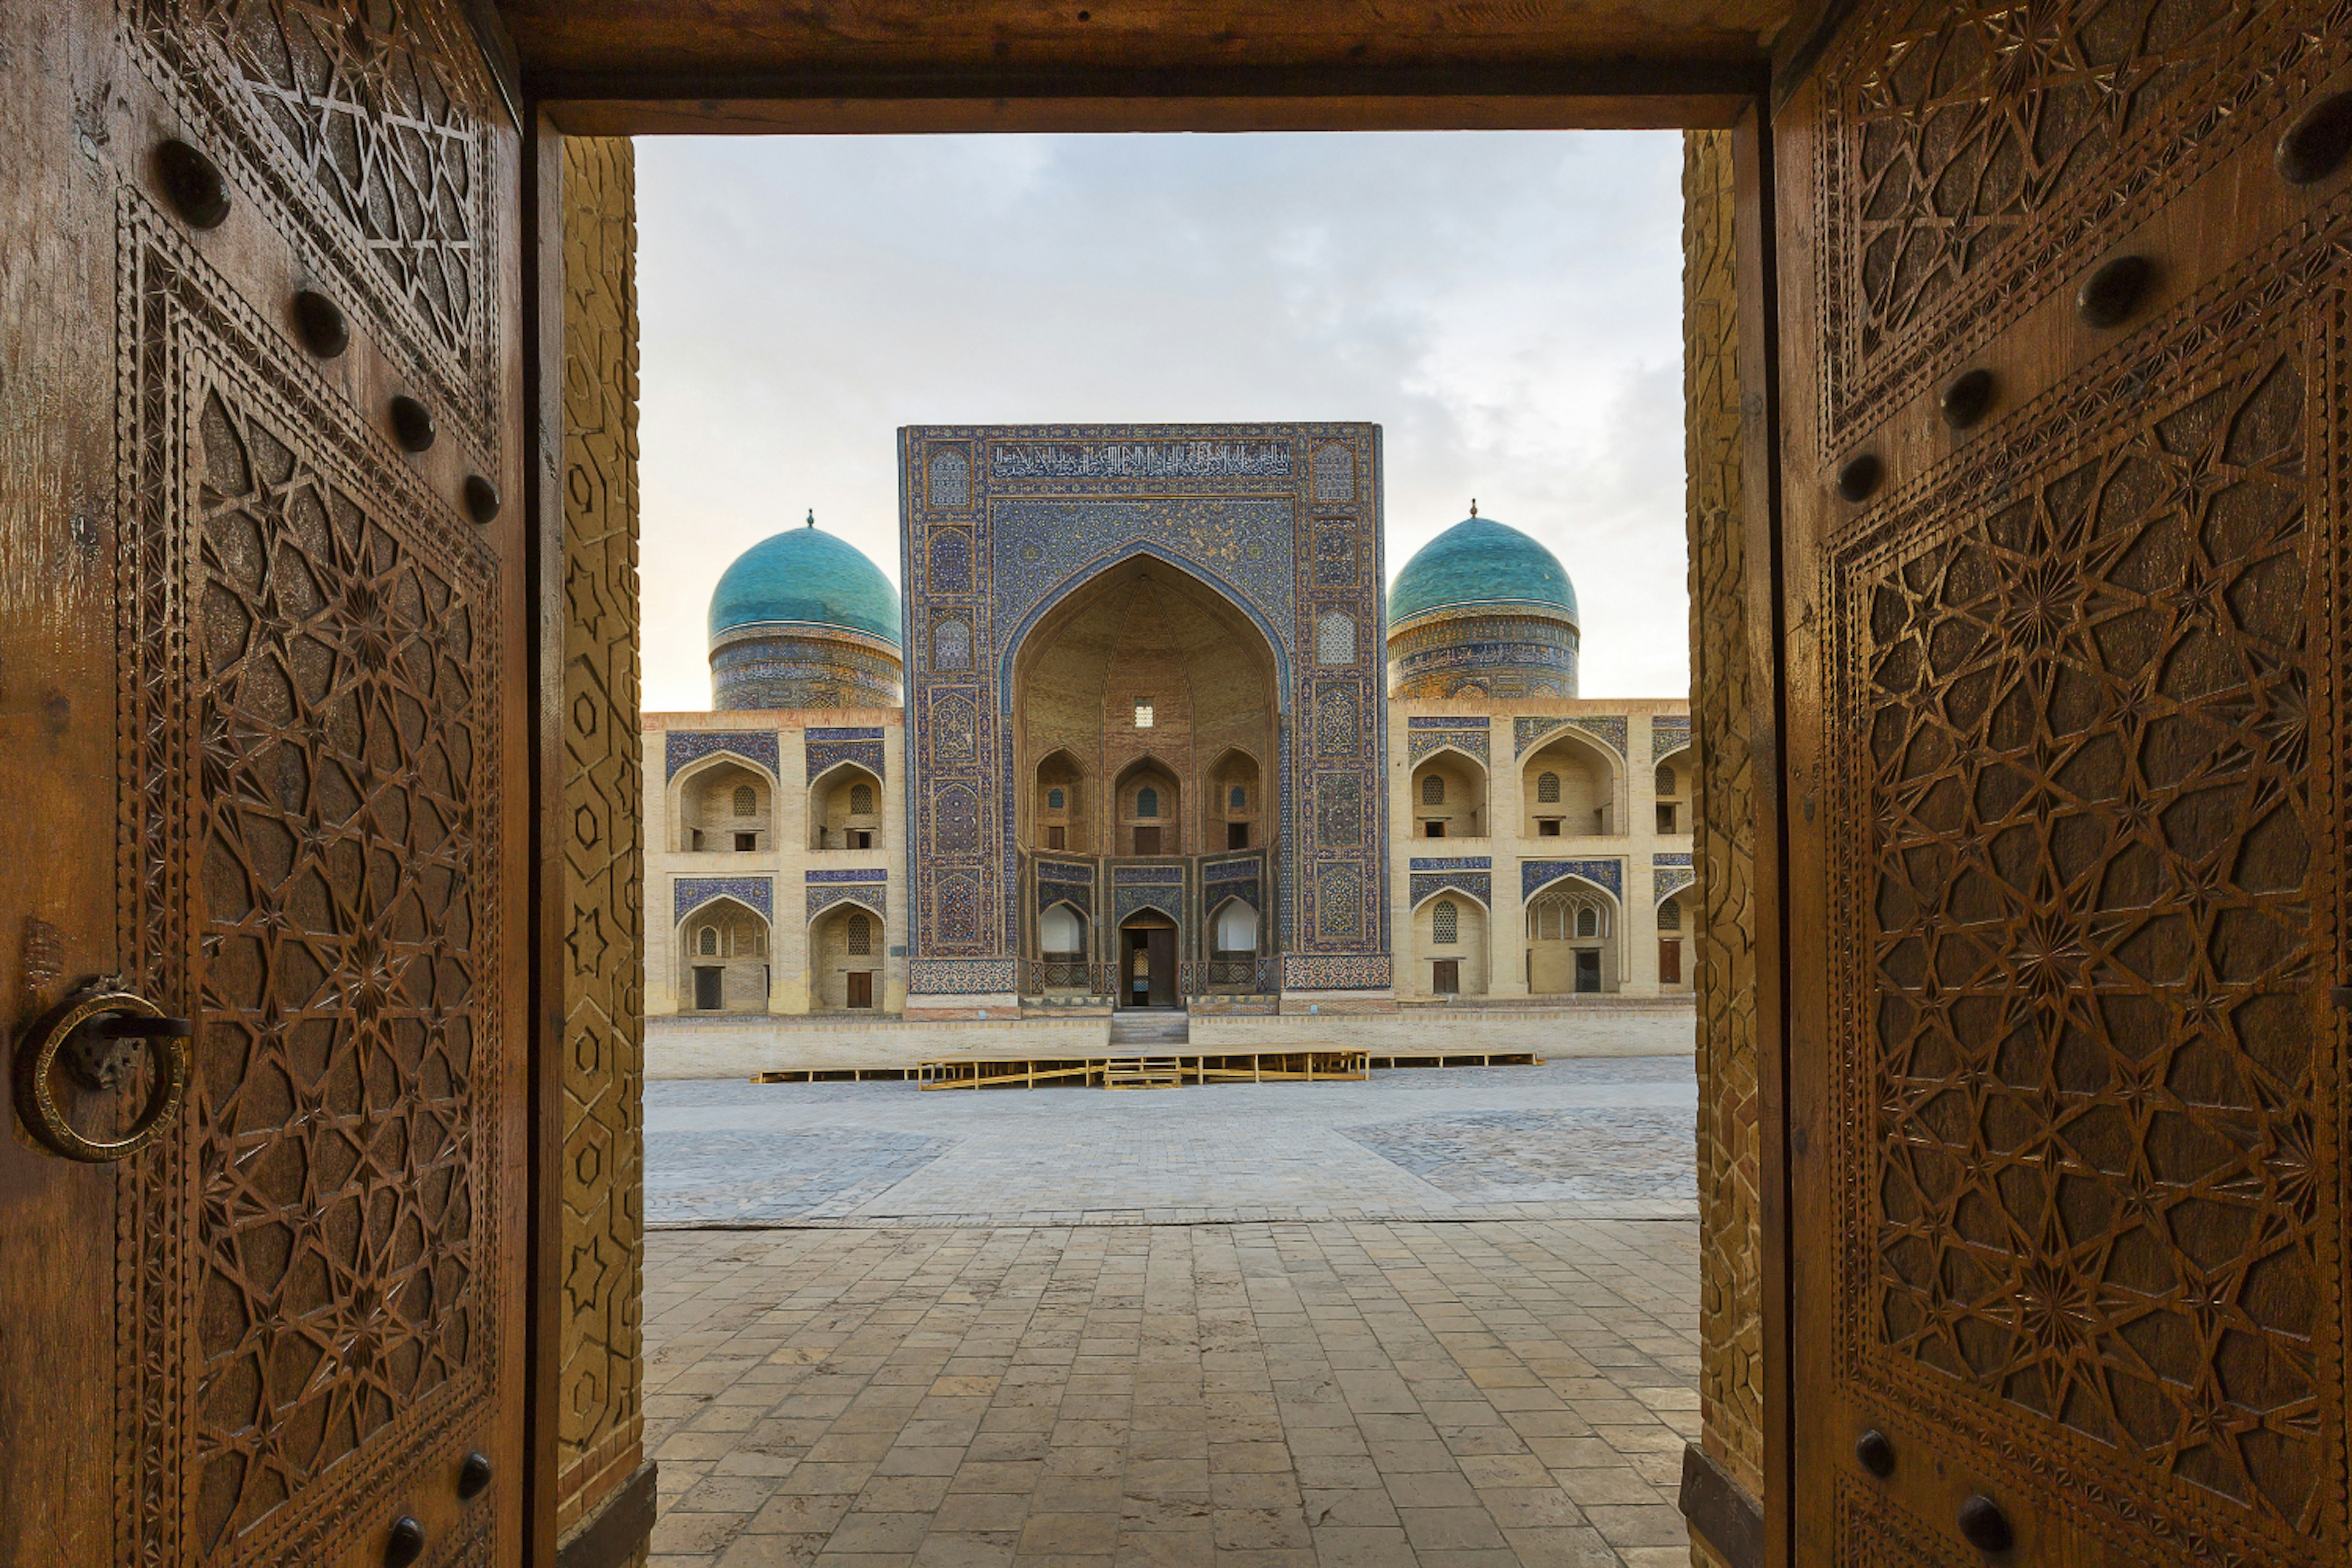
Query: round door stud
point(481, 499)
point(1984, 1526)
point(412, 424)
point(1966, 397)
point(321, 322)
point(2110, 295)
point(2313, 147)
point(474, 1476)
point(406, 1544)
point(1858, 480)
point(1876, 1453)
point(194, 185)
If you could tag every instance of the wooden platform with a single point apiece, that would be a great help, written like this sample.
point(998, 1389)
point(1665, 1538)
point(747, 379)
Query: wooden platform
point(1163, 1070)
point(1157, 1069)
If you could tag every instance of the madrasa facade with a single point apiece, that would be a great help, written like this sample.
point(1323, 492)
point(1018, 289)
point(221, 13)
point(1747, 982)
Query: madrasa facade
point(1141, 729)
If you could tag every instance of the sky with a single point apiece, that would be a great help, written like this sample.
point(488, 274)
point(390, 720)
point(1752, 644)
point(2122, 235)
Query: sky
point(1506, 305)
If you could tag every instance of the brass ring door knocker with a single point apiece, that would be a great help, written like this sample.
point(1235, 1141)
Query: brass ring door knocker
point(92, 1036)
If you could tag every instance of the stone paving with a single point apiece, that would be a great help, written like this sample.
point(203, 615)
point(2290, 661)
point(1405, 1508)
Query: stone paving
point(1341, 1394)
point(1440, 1318)
point(1588, 1138)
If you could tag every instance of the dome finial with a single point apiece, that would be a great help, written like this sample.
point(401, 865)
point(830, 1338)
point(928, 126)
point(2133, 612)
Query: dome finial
point(812, 522)
point(1474, 506)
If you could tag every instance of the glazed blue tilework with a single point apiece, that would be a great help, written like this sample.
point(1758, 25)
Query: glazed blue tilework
point(828, 748)
point(689, 893)
point(1535, 874)
point(1422, 743)
point(870, 874)
point(1610, 727)
point(1167, 898)
point(1668, 881)
point(1670, 857)
point(1258, 515)
point(1244, 889)
point(1445, 722)
point(960, 976)
point(1668, 732)
point(1348, 972)
point(1451, 863)
point(872, 895)
point(1135, 875)
point(1479, 885)
point(1230, 870)
point(683, 746)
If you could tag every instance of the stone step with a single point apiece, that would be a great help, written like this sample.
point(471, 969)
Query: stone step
point(1153, 1028)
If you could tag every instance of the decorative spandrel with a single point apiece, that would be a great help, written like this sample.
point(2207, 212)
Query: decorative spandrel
point(366, 128)
point(2097, 1096)
point(1975, 155)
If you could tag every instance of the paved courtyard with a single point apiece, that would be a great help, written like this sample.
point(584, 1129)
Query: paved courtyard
point(1440, 1318)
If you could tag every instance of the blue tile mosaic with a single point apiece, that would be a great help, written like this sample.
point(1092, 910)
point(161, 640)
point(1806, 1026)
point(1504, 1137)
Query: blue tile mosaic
point(683, 746)
point(1535, 875)
point(1479, 885)
point(1526, 732)
point(690, 893)
point(1445, 722)
point(869, 874)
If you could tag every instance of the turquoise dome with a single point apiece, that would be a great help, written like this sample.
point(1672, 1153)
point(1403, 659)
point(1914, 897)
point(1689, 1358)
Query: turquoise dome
point(1480, 561)
point(808, 576)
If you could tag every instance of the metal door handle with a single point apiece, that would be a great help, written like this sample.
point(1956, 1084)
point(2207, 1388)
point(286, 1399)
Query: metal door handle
point(83, 1035)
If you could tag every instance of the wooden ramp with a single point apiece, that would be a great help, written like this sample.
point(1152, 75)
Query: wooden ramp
point(1160, 1070)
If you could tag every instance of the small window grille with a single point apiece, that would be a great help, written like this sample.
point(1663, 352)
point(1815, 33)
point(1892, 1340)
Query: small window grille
point(1432, 790)
point(709, 942)
point(1445, 924)
point(1670, 915)
point(861, 936)
point(1143, 713)
point(1547, 788)
point(1146, 802)
point(747, 801)
point(1666, 780)
point(1055, 800)
point(861, 800)
point(1239, 799)
point(1587, 922)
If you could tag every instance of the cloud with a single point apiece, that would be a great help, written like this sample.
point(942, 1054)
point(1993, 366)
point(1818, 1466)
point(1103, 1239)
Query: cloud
point(1506, 305)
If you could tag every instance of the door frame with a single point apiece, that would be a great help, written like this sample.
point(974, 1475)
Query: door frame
point(1705, 89)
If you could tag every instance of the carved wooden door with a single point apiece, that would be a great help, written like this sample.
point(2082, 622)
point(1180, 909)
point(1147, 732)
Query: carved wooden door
point(2066, 771)
point(262, 694)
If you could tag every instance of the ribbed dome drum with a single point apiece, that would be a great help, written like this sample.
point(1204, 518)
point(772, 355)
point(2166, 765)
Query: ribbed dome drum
point(1483, 610)
point(802, 619)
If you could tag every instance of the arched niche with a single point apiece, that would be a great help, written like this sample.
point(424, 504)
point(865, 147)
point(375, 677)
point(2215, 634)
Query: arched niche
point(1448, 796)
point(1234, 805)
point(847, 942)
point(723, 959)
point(1063, 959)
point(1059, 802)
point(1143, 662)
point(845, 808)
point(1674, 787)
point(1449, 944)
point(720, 804)
point(1568, 788)
point(1148, 806)
point(1677, 940)
point(1574, 939)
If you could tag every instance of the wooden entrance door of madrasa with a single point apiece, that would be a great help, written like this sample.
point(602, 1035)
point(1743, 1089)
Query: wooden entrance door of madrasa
point(262, 1258)
point(2065, 394)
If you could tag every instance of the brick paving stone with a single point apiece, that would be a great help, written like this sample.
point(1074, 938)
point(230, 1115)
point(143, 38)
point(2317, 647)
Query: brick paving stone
point(1457, 1360)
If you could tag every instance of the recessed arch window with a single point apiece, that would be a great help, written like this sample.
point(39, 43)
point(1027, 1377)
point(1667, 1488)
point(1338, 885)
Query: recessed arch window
point(1146, 802)
point(1445, 924)
point(747, 801)
point(1432, 790)
point(861, 800)
point(1665, 779)
point(1588, 921)
point(1238, 800)
point(1055, 800)
point(1547, 788)
point(707, 943)
point(861, 936)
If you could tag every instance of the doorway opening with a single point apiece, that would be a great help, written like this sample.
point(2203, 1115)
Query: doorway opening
point(1147, 960)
